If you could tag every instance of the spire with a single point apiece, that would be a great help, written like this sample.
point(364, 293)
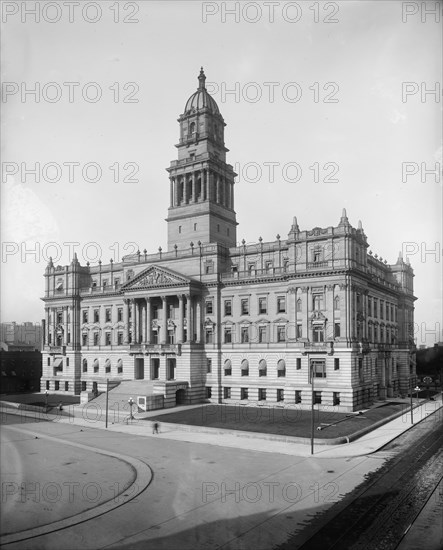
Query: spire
point(294, 228)
point(201, 80)
point(344, 218)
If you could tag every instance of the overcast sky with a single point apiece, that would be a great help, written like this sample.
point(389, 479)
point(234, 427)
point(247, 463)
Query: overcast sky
point(353, 84)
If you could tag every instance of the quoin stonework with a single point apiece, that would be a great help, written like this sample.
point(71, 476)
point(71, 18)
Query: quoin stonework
point(213, 320)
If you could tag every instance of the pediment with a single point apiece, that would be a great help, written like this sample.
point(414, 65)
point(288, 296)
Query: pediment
point(155, 277)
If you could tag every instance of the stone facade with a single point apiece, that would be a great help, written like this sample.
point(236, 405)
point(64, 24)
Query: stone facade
point(214, 320)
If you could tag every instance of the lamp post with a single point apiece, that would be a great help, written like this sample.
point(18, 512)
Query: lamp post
point(410, 395)
point(417, 389)
point(131, 402)
point(46, 400)
point(311, 370)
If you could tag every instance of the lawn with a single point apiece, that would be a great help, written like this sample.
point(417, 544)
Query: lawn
point(281, 421)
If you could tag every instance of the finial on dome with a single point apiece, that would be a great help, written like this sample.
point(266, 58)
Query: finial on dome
point(201, 79)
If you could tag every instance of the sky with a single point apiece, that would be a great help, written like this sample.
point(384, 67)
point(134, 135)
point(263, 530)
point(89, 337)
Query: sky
point(328, 105)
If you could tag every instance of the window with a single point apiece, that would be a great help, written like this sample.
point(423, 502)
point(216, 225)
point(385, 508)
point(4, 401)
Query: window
point(117, 283)
point(299, 305)
point(49, 361)
point(298, 363)
point(316, 255)
point(245, 367)
point(318, 333)
point(375, 307)
point(318, 367)
point(244, 334)
point(337, 302)
point(244, 306)
point(96, 315)
point(262, 334)
point(268, 267)
point(297, 396)
point(262, 394)
point(209, 366)
point(244, 393)
point(59, 318)
point(280, 395)
point(179, 228)
point(228, 335)
point(119, 314)
point(83, 386)
point(119, 366)
point(281, 333)
point(370, 333)
point(360, 370)
point(336, 363)
point(251, 269)
point(107, 338)
point(119, 338)
point(66, 386)
point(56, 385)
point(228, 367)
point(107, 366)
point(208, 392)
point(95, 338)
point(68, 338)
point(281, 304)
point(336, 330)
point(96, 365)
point(370, 307)
point(85, 315)
point(94, 284)
point(336, 398)
point(47, 384)
point(67, 361)
point(227, 393)
point(281, 368)
point(382, 309)
point(209, 267)
point(209, 307)
point(299, 331)
point(195, 227)
point(84, 339)
point(262, 306)
point(317, 397)
point(317, 302)
point(262, 368)
point(85, 365)
point(208, 335)
point(228, 307)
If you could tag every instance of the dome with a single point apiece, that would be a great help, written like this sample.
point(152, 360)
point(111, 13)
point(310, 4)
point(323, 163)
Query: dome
point(201, 98)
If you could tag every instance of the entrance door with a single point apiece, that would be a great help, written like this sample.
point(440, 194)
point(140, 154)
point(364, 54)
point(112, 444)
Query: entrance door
point(171, 369)
point(180, 397)
point(155, 368)
point(139, 369)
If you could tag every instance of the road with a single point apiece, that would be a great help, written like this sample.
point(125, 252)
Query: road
point(203, 496)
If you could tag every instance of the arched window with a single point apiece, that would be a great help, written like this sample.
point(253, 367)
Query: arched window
point(245, 367)
point(228, 367)
point(299, 304)
point(95, 365)
point(337, 302)
point(281, 368)
point(85, 365)
point(108, 365)
point(120, 366)
point(192, 128)
point(262, 368)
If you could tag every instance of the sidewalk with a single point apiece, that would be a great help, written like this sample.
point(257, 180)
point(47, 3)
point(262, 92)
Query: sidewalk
point(366, 444)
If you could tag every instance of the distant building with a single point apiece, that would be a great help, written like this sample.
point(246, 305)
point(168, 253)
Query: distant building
point(21, 368)
point(22, 333)
point(214, 320)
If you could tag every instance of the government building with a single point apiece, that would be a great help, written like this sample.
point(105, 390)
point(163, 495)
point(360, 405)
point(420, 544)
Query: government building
point(311, 315)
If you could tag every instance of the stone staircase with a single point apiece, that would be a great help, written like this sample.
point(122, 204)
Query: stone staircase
point(118, 398)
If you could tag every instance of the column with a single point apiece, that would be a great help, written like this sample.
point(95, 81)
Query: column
point(208, 188)
point(148, 320)
point(189, 328)
point(65, 325)
point(164, 325)
point(203, 185)
point(193, 187)
point(306, 306)
point(134, 323)
point(48, 319)
point(217, 189)
point(143, 313)
point(171, 191)
point(126, 319)
point(198, 319)
point(232, 195)
point(180, 319)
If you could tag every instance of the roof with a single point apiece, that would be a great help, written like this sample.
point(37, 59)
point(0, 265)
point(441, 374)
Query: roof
point(201, 99)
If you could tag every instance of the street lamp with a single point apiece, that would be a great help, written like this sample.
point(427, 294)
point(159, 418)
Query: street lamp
point(417, 389)
point(312, 407)
point(410, 395)
point(131, 402)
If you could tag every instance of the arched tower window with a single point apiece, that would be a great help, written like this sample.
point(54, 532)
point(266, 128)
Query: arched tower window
point(192, 128)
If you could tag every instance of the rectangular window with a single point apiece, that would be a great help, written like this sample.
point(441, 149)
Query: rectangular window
point(317, 397)
point(268, 267)
point(208, 335)
point(336, 330)
point(108, 315)
point(360, 370)
point(108, 368)
point(318, 367)
point(49, 361)
point(59, 318)
point(67, 361)
point(298, 363)
point(299, 331)
point(209, 366)
point(281, 334)
point(171, 312)
point(119, 338)
point(96, 315)
point(336, 363)
point(56, 385)
point(68, 339)
point(208, 392)
point(262, 394)
point(119, 314)
point(336, 398)
point(209, 307)
point(375, 307)
point(318, 334)
point(95, 338)
point(244, 393)
point(244, 306)
point(227, 393)
point(105, 284)
point(297, 397)
point(84, 339)
point(244, 335)
point(228, 335)
point(83, 386)
point(228, 369)
point(281, 304)
point(317, 302)
point(280, 395)
point(85, 315)
point(245, 369)
point(262, 306)
point(228, 307)
point(107, 339)
point(262, 336)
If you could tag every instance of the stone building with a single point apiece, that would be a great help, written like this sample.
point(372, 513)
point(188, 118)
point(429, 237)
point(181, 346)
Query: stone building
point(211, 319)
